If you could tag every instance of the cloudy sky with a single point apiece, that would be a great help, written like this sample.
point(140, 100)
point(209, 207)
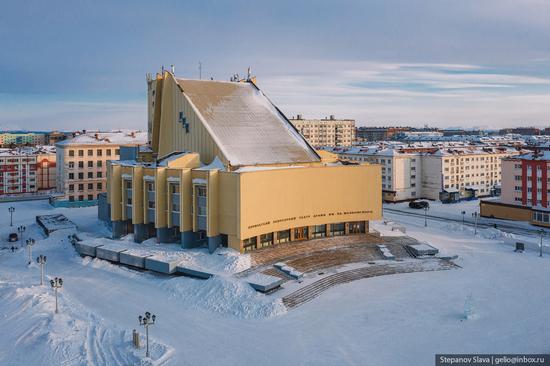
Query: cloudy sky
point(447, 63)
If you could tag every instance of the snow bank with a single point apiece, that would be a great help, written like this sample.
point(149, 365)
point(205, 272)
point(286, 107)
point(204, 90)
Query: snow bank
point(226, 296)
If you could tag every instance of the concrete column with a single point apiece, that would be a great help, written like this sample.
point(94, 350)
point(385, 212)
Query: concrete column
point(164, 235)
point(117, 229)
point(275, 237)
point(188, 239)
point(366, 227)
point(310, 232)
point(291, 234)
point(327, 230)
point(141, 232)
point(258, 244)
point(214, 242)
point(346, 228)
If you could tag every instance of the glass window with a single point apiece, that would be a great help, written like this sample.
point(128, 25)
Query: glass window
point(71, 153)
point(90, 197)
point(81, 164)
point(80, 152)
point(128, 184)
point(99, 186)
point(108, 152)
point(71, 164)
point(90, 164)
point(71, 175)
point(99, 164)
point(201, 191)
point(90, 152)
point(151, 204)
point(100, 174)
point(90, 175)
point(99, 152)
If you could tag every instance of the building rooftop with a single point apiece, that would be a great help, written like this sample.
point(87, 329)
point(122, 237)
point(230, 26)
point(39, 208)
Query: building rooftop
point(106, 138)
point(244, 123)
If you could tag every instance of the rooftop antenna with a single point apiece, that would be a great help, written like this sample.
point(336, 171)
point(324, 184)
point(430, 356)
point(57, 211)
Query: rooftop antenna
point(200, 70)
point(248, 77)
point(173, 69)
point(162, 69)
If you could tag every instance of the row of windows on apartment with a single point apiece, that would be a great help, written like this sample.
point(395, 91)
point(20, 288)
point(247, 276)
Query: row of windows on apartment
point(541, 217)
point(539, 168)
point(18, 160)
point(530, 190)
point(529, 179)
point(90, 152)
point(89, 164)
point(91, 197)
point(530, 201)
point(468, 176)
point(472, 167)
point(90, 175)
point(99, 187)
point(16, 174)
point(458, 185)
point(487, 158)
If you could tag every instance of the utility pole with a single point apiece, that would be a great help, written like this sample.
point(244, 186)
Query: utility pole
point(56, 284)
point(426, 215)
point(475, 215)
point(21, 229)
point(11, 209)
point(41, 260)
point(30, 243)
point(541, 232)
point(146, 321)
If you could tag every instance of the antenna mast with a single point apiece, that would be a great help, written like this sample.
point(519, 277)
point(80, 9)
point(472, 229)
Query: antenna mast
point(200, 70)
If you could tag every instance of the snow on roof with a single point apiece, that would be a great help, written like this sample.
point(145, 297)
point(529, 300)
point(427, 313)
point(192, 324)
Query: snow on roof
point(107, 138)
point(27, 150)
point(215, 164)
point(247, 127)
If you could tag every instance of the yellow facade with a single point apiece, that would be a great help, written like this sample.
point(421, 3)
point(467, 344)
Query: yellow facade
point(242, 207)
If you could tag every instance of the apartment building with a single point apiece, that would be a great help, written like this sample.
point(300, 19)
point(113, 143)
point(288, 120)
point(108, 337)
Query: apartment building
point(82, 164)
point(8, 139)
point(371, 134)
point(26, 170)
point(226, 168)
point(525, 189)
point(326, 132)
point(441, 172)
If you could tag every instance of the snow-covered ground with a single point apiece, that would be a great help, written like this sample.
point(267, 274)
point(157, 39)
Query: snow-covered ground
point(391, 320)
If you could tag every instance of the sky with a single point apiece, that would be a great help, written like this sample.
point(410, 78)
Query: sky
point(472, 63)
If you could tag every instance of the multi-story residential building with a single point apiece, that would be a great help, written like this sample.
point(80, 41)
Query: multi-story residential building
point(82, 164)
point(326, 132)
point(55, 136)
point(227, 168)
point(525, 189)
point(447, 173)
point(22, 138)
point(27, 170)
point(371, 134)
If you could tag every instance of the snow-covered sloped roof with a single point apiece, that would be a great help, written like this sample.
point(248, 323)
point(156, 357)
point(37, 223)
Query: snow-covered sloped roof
point(107, 138)
point(244, 123)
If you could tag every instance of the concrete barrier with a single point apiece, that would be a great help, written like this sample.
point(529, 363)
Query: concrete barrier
point(134, 257)
point(263, 283)
point(193, 272)
point(162, 264)
point(110, 252)
point(87, 248)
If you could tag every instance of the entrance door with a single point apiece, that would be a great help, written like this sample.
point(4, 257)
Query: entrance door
point(300, 233)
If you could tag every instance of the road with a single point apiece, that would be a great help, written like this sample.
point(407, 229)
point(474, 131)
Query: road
point(483, 222)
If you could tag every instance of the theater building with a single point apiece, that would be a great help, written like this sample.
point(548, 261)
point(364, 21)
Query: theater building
point(226, 168)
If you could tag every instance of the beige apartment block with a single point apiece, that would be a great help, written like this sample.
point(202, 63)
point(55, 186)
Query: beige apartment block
point(439, 173)
point(326, 132)
point(82, 164)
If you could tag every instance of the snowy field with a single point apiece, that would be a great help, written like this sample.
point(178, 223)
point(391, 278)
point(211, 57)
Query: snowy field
point(391, 320)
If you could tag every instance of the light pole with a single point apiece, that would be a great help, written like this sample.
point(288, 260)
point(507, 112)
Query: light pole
point(426, 215)
point(146, 321)
point(475, 215)
point(463, 213)
point(41, 259)
point(30, 243)
point(541, 232)
point(11, 209)
point(56, 284)
point(21, 229)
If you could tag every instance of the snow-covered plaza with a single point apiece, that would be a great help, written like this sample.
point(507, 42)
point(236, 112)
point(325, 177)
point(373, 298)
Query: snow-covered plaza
point(494, 302)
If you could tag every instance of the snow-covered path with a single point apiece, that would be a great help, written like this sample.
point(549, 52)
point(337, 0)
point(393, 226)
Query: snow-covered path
point(389, 320)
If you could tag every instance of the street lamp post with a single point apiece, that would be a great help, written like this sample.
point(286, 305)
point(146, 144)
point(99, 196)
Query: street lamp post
point(21, 229)
point(541, 232)
point(475, 215)
point(30, 243)
point(146, 321)
point(463, 213)
point(41, 260)
point(11, 209)
point(426, 215)
point(56, 284)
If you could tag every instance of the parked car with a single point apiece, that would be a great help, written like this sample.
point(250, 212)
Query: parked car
point(13, 237)
point(419, 204)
